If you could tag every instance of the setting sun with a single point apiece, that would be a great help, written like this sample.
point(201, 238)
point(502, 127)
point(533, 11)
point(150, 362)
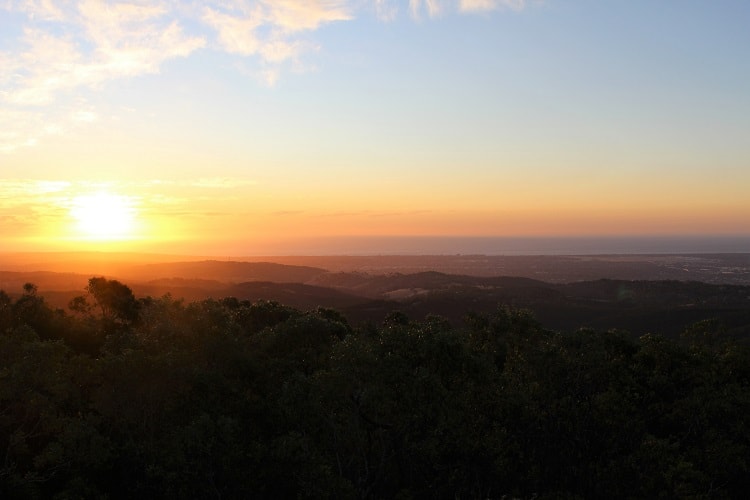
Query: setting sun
point(104, 216)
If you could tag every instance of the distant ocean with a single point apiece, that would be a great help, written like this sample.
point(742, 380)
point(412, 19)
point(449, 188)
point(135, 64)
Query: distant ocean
point(439, 245)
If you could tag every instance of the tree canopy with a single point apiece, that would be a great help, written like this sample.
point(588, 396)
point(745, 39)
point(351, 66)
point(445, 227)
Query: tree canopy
point(154, 397)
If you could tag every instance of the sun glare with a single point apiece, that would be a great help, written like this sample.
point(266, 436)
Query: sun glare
point(104, 216)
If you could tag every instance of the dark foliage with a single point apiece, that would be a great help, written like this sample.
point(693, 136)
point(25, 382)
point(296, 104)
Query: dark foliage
point(157, 398)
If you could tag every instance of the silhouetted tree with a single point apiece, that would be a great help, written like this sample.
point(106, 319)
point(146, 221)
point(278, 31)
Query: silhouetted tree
point(114, 300)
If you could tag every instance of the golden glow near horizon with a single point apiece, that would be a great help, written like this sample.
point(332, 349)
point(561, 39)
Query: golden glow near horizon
point(235, 216)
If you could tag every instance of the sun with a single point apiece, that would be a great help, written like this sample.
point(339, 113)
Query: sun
point(104, 216)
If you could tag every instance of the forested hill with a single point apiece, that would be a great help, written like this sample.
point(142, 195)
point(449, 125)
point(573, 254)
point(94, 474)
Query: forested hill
point(643, 306)
point(125, 397)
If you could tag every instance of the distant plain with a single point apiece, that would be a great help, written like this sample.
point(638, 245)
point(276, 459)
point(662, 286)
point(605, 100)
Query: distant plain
point(633, 292)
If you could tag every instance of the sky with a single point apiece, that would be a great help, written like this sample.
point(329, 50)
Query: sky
point(236, 127)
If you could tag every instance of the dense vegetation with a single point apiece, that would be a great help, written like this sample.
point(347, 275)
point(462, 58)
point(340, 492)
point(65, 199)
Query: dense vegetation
point(156, 398)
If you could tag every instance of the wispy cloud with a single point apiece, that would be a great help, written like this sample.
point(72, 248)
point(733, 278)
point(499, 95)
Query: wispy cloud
point(26, 127)
point(89, 45)
point(43, 10)
point(487, 5)
point(433, 7)
point(25, 203)
point(293, 15)
point(12, 189)
point(386, 10)
point(272, 31)
point(20, 129)
point(66, 46)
